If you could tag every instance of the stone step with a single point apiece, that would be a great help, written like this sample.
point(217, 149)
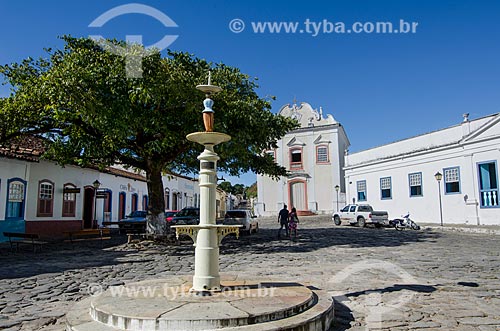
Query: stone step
point(292, 306)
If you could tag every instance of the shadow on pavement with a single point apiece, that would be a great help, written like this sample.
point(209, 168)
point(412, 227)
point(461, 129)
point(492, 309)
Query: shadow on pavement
point(266, 241)
point(59, 257)
point(344, 315)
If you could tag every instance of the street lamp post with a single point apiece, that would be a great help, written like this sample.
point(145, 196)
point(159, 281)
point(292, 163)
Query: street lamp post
point(96, 184)
point(438, 177)
point(337, 188)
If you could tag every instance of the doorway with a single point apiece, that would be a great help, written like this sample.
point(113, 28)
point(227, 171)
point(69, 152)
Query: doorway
point(175, 201)
point(121, 205)
point(298, 195)
point(88, 207)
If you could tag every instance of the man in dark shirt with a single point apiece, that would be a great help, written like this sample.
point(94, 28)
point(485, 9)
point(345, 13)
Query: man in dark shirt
point(283, 220)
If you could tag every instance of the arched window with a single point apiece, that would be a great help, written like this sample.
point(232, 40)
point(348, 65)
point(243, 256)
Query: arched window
point(167, 198)
point(144, 202)
point(15, 199)
point(108, 205)
point(134, 202)
point(121, 205)
point(45, 198)
point(175, 201)
point(69, 201)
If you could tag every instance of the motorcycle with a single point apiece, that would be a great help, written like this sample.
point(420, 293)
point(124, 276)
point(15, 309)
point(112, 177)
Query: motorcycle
point(404, 223)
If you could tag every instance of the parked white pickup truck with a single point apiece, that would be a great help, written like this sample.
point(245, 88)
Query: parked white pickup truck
point(360, 215)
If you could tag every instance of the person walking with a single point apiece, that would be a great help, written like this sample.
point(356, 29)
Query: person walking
point(293, 221)
point(283, 221)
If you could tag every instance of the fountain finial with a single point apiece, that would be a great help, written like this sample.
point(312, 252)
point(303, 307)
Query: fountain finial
point(209, 89)
point(208, 112)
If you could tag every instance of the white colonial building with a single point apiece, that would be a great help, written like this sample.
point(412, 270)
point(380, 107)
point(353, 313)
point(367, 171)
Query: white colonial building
point(400, 177)
point(39, 196)
point(314, 156)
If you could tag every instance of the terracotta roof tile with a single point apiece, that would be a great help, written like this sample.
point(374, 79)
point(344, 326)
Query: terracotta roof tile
point(124, 173)
point(28, 148)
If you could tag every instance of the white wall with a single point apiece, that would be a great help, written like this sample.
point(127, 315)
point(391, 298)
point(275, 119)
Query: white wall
point(10, 168)
point(188, 191)
point(33, 172)
point(462, 207)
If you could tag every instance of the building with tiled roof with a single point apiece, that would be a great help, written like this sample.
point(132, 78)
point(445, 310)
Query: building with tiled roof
point(42, 197)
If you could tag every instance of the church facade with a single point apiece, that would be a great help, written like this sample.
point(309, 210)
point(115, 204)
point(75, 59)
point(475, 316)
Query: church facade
point(314, 157)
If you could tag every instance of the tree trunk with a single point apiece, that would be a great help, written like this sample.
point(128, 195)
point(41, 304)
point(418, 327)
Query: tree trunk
point(156, 223)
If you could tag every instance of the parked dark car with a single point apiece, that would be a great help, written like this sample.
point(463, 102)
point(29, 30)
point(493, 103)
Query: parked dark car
point(170, 214)
point(187, 216)
point(135, 222)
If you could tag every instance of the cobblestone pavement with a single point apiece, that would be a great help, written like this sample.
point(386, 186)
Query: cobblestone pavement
point(382, 279)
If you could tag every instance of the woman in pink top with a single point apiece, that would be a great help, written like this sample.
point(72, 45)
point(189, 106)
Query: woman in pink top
point(293, 220)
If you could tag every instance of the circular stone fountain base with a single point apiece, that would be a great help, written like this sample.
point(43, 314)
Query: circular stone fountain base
point(168, 304)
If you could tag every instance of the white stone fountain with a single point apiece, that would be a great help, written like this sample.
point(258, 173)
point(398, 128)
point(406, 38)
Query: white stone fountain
point(207, 236)
point(206, 302)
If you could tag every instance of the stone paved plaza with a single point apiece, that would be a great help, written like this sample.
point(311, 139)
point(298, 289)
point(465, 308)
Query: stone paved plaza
point(381, 278)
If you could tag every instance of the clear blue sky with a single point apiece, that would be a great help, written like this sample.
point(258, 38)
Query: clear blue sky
point(381, 87)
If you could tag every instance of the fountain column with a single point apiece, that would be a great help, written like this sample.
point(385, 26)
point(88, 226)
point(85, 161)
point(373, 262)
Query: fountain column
point(207, 235)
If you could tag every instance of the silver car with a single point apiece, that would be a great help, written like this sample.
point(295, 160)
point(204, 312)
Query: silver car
point(242, 217)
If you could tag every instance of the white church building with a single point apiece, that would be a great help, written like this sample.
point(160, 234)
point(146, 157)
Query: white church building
point(314, 157)
point(401, 177)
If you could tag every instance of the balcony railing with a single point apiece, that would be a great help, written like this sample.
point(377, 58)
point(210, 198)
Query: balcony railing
point(489, 198)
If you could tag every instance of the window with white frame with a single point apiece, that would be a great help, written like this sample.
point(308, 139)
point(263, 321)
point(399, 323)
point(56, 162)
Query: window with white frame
point(361, 186)
point(322, 154)
point(167, 198)
point(415, 184)
point(16, 191)
point(69, 201)
point(451, 180)
point(15, 200)
point(272, 154)
point(385, 188)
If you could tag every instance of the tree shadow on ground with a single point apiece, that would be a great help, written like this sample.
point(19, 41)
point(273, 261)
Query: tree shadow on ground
point(344, 317)
point(59, 257)
point(266, 241)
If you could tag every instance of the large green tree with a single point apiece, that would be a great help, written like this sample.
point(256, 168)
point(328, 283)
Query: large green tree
point(80, 98)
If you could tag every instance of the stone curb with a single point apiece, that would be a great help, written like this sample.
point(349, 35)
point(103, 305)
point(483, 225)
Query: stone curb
point(494, 232)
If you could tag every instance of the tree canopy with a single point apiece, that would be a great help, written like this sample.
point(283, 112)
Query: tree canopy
point(95, 114)
point(82, 101)
point(233, 189)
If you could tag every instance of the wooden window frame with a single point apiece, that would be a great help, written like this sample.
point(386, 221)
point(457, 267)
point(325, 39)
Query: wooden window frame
point(297, 165)
point(327, 155)
point(50, 202)
point(70, 203)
